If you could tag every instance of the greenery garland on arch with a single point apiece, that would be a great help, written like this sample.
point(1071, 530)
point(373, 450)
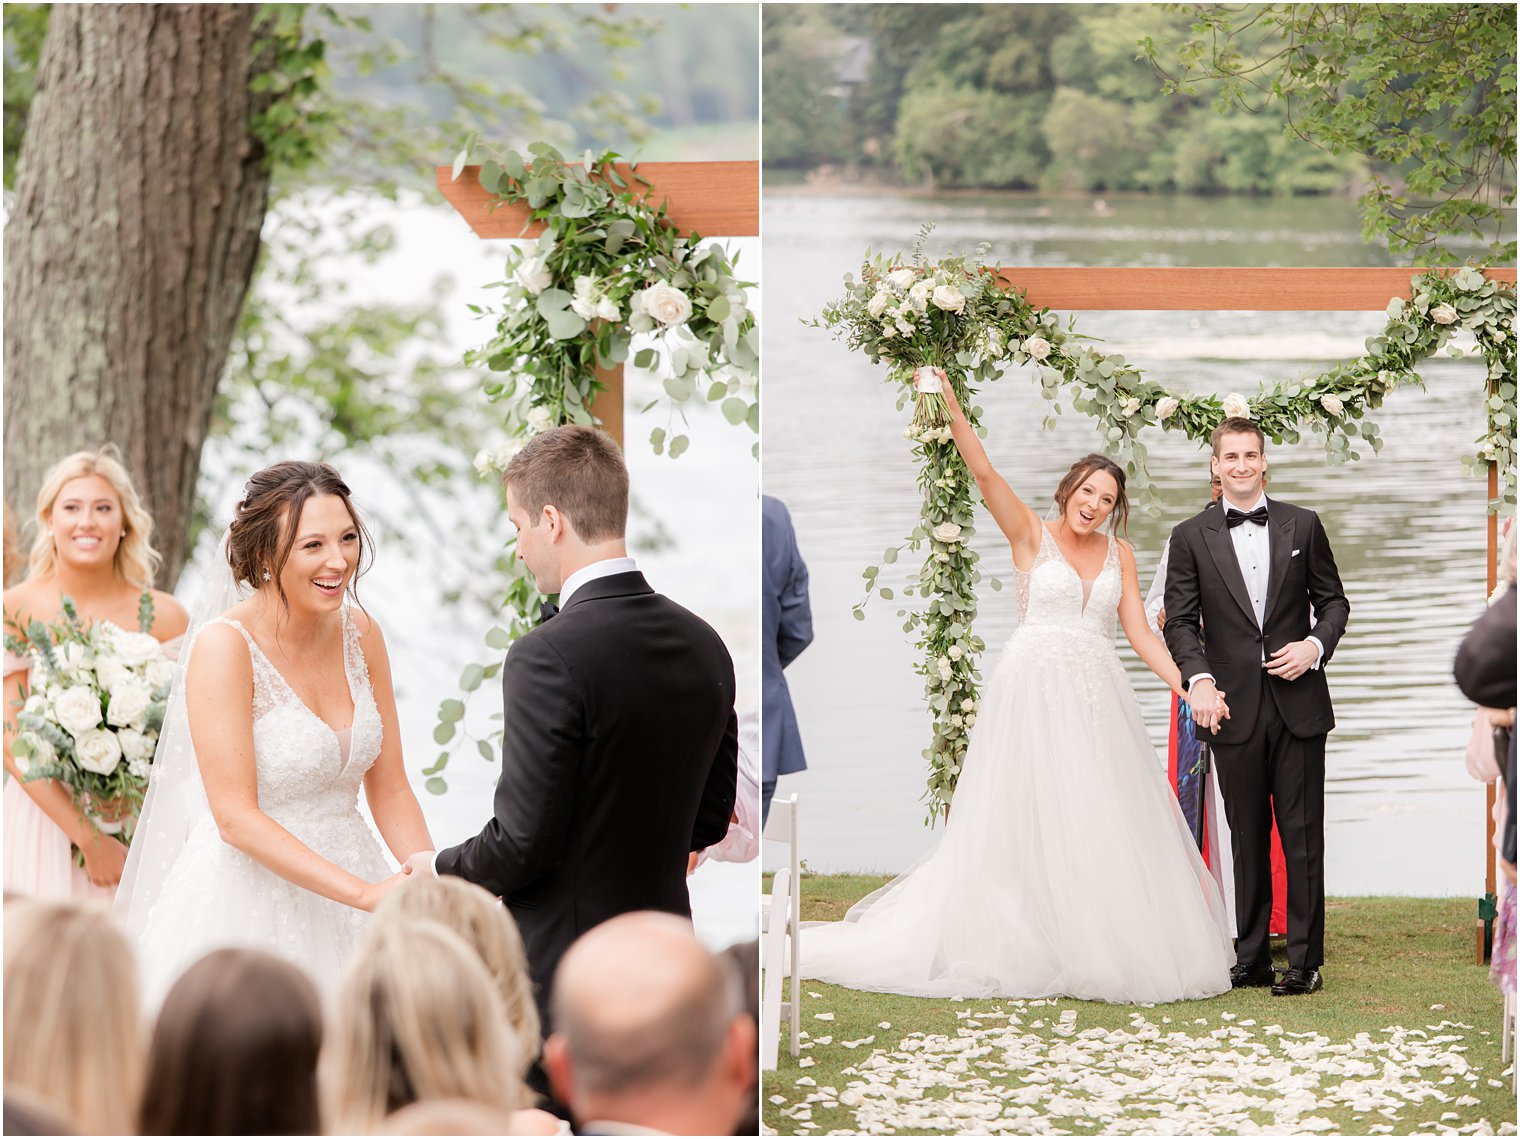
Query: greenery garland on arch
point(609, 266)
point(953, 314)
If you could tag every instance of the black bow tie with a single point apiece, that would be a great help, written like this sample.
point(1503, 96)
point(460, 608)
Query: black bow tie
point(1234, 518)
point(546, 610)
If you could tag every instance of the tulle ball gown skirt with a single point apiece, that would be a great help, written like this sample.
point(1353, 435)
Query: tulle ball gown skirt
point(1066, 868)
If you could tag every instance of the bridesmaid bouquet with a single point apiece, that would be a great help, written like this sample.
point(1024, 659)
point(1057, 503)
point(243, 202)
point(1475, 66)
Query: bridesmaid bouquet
point(92, 714)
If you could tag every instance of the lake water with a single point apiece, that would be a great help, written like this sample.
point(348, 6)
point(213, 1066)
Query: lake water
point(1407, 527)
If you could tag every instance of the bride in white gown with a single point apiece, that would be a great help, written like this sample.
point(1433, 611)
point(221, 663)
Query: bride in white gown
point(251, 833)
point(1066, 867)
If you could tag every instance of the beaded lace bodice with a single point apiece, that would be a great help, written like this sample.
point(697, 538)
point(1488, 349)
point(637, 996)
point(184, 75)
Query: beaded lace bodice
point(1053, 594)
point(301, 763)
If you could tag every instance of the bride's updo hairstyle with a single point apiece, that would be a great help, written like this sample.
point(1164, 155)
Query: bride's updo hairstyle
point(264, 525)
point(1118, 521)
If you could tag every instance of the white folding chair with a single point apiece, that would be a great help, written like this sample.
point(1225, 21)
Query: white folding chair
point(774, 911)
point(1510, 1040)
point(782, 827)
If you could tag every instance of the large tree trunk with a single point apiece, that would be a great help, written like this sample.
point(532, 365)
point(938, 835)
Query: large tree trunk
point(130, 246)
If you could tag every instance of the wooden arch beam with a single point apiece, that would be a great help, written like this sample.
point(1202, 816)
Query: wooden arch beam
point(1216, 289)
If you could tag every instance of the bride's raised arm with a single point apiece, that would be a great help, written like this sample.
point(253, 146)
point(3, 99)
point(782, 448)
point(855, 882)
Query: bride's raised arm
point(219, 704)
point(1020, 524)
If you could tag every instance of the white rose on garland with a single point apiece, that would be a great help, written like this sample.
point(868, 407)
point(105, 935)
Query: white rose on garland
point(949, 298)
point(1166, 407)
point(667, 304)
point(533, 274)
point(1236, 406)
point(538, 420)
point(947, 533)
point(1037, 348)
point(1443, 314)
point(1332, 405)
point(98, 751)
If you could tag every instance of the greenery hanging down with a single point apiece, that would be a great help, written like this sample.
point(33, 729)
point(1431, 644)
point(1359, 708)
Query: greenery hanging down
point(954, 314)
point(609, 266)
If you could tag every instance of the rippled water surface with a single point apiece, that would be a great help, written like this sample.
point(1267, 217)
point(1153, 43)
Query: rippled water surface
point(1407, 526)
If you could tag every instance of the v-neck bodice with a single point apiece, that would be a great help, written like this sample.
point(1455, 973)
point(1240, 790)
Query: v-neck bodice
point(302, 760)
point(1052, 592)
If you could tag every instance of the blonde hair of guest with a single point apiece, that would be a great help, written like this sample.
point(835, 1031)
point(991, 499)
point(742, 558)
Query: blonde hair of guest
point(417, 1018)
point(136, 560)
point(73, 1030)
point(486, 925)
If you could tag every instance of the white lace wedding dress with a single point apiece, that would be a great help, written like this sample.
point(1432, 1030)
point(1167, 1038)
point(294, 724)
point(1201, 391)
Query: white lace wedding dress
point(1066, 867)
point(210, 895)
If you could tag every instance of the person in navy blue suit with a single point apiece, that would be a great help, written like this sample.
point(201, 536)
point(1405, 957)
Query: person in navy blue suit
point(788, 629)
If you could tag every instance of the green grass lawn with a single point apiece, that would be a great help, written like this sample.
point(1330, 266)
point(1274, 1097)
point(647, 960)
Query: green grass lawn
point(1228, 1065)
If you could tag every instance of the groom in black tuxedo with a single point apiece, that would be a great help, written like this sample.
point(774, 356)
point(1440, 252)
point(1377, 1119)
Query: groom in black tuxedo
point(1260, 576)
point(620, 742)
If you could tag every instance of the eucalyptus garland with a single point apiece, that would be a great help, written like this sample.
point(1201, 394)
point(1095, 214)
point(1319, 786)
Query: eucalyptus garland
point(609, 267)
point(953, 314)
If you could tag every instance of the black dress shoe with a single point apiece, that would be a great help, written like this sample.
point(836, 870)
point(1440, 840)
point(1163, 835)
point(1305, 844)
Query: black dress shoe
point(1298, 982)
point(1252, 976)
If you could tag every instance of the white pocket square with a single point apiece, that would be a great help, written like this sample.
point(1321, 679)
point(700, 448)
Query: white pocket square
point(1294, 554)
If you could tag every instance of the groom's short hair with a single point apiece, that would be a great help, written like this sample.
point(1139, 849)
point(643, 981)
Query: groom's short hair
point(1238, 425)
point(579, 470)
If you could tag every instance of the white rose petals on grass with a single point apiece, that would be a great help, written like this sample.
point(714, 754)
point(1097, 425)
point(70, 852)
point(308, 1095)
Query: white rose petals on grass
point(1150, 1079)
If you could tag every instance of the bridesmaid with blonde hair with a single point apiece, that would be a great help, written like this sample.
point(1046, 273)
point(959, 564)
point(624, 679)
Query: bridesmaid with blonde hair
point(93, 546)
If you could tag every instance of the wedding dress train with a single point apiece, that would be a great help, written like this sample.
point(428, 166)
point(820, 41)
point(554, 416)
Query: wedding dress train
point(1066, 867)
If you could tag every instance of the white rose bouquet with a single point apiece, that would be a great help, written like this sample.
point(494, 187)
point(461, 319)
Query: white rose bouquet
point(92, 713)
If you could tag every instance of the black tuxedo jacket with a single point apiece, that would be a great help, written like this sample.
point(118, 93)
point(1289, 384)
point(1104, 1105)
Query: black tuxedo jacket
point(1204, 587)
point(619, 758)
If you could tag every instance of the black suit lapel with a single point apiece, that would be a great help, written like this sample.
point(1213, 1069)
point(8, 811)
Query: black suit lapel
point(1216, 536)
point(1280, 555)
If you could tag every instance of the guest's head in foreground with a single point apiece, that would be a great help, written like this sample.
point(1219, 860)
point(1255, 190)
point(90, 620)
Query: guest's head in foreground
point(1240, 460)
point(235, 1050)
point(90, 520)
point(649, 1030)
point(417, 1017)
point(487, 927)
point(296, 536)
point(567, 497)
point(73, 1035)
point(1091, 493)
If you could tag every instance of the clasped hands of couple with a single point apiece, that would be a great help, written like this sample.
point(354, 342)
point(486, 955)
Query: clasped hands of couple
point(419, 864)
point(1288, 663)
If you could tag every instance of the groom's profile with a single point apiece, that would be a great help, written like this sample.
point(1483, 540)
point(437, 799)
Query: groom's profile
point(619, 739)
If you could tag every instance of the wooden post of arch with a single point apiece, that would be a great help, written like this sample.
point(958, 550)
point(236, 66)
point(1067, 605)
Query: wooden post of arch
point(1267, 290)
point(714, 199)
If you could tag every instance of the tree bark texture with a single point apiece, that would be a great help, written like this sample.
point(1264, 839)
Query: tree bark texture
point(130, 246)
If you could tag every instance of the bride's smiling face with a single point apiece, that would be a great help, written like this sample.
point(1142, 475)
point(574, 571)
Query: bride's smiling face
point(321, 563)
point(1092, 502)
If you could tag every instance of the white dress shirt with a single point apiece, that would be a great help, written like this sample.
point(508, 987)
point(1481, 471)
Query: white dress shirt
point(604, 568)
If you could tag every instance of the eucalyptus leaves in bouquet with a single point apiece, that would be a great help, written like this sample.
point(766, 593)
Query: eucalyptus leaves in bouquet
point(92, 713)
